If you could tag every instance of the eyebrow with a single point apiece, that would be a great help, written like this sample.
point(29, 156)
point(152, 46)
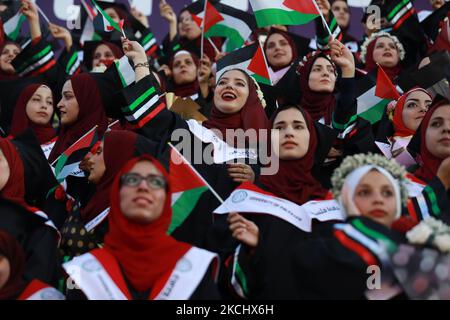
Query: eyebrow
point(283, 122)
point(66, 92)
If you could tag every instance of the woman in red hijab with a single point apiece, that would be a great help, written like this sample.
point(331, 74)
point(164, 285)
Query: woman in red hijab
point(383, 49)
point(318, 78)
point(8, 51)
point(280, 51)
point(80, 109)
point(12, 268)
point(35, 109)
point(103, 164)
point(101, 54)
point(434, 140)
point(139, 260)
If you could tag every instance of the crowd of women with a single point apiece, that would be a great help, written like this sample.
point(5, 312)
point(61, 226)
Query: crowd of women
point(93, 204)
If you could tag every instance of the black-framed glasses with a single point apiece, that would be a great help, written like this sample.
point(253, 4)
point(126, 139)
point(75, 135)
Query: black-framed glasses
point(153, 181)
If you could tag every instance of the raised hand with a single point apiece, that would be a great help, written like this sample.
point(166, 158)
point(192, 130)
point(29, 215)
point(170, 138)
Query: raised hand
point(241, 172)
point(342, 57)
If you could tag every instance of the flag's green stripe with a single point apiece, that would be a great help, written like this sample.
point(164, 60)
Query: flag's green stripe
point(397, 9)
point(235, 41)
point(339, 126)
point(72, 60)
point(433, 200)
point(35, 58)
point(375, 113)
point(358, 224)
point(242, 279)
point(60, 164)
point(122, 79)
point(139, 100)
point(184, 205)
point(147, 39)
point(176, 47)
point(261, 79)
point(13, 35)
point(107, 17)
point(271, 16)
point(333, 24)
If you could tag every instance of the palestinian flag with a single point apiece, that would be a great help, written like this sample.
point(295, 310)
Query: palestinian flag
point(87, 17)
point(104, 23)
point(285, 12)
point(370, 106)
point(187, 187)
point(322, 34)
point(13, 26)
point(385, 89)
point(74, 63)
point(399, 11)
point(125, 71)
point(236, 26)
point(249, 59)
point(67, 163)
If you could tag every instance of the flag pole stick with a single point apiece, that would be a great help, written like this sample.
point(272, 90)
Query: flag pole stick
point(214, 46)
point(265, 61)
point(203, 28)
point(198, 174)
point(42, 13)
point(323, 18)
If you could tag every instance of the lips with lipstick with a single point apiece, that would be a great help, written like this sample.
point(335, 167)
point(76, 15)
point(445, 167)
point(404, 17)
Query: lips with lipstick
point(445, 141)
point(142, 201)
point(378, 213)
point(228, 96)
point(42, 114)
point(289, 144)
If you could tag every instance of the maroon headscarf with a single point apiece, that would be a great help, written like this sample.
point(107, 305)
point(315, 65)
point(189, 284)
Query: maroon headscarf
point(251, 116)
point(117, 52)
point(145, 251)
point(91, 113)
point(3, 74)
point(288, 39)
point(392, 72)
point(294, 180)
point(118, 148)
point(14, 189)
point(187, 89)
point(13, 252)
point(20, 121)
point(430, 163)
point(317, 104)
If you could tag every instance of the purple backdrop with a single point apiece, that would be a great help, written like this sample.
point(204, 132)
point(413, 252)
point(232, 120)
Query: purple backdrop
point(160, 28)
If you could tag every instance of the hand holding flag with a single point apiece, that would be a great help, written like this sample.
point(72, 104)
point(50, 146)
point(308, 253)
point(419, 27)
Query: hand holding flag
point(105, 23)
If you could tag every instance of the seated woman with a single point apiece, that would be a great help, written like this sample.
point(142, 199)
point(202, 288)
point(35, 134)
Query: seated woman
point(35, 109)
point(371, 193)
point(384, 49)
point(139, 260)
point(86, 227)
point(12, 268)
point(184, 32)
point(189, 78)
point(405, 116)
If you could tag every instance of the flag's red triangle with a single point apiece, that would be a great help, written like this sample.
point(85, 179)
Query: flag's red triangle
point(212, 16)
point(182, 176)
point(303, 6)
point(384, 88)
point(258, 64)
point(197, 19)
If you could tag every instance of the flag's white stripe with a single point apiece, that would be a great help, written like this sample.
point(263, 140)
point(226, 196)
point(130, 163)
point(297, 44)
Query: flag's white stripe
point(258, 5)
point(141, 110)
point(150, 44)
point(401, 13)
point(41, 62)
point(11, 25)
point(367, 100)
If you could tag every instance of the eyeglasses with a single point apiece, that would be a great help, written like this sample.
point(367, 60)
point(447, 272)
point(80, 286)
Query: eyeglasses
point(134, 179)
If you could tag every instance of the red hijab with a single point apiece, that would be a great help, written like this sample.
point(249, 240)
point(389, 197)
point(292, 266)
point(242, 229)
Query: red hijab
point(3, 74)
point(251, 115)
point(10, 248)
point(317, 104)
point(293, 180)
point(400, 129)
point(14, 189)
point(187, 89)
point(288, 39)
point(145, 251)
point(20, 121)
point(392, 72)
point(430, 163)
point(91, 113)
point(114, 157)
point(117, 52)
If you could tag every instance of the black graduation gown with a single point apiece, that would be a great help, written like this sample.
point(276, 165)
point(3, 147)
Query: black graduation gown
point(38, 240)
